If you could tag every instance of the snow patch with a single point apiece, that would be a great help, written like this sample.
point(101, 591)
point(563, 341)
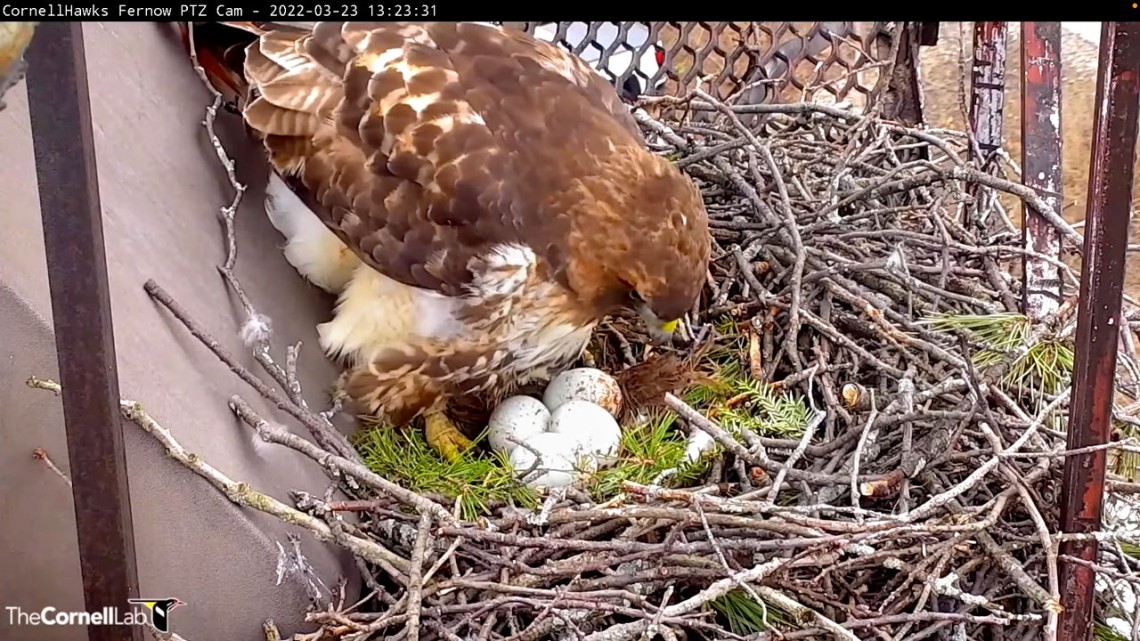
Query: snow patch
point(1088, 30)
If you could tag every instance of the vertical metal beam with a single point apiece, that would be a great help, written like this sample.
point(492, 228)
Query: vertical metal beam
point(81, 307)
point(927, 34)
point(903, 101)
point(1102, 280)
point(1041, 163)
point(987, 99)
point(988, 81)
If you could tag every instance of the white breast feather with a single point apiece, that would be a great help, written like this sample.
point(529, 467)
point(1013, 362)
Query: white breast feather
point(534, 334)
point(310, 247)
point(540, 343)
point(506, 270)
point(375, 313)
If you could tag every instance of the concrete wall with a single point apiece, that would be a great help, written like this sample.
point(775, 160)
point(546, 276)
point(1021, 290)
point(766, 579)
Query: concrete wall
point(161, 188)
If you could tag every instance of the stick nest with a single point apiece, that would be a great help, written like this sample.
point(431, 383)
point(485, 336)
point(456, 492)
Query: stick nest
point(889, 430)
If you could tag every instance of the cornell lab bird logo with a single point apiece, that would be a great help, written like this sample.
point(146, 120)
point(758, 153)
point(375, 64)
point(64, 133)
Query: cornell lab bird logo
point(160, 611)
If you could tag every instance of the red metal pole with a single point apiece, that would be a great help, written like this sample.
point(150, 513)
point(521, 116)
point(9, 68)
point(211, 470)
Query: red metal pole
point(1102, 283)
point(1041, 163)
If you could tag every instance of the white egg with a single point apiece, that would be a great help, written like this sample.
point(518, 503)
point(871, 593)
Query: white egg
point(516, 419)
point(559, 460)
point(595, 432)
point(584, 384)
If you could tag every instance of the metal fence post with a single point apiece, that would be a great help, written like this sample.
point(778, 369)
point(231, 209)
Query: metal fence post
point(1102, 283)
point(987, 99)
point(1041, 163)
point(81, 308)
point(988, 83)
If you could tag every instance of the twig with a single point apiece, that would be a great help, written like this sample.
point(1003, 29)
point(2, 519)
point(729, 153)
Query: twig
point(271, 434)
point(322, 431)
point(41, 455)
point(242, 494)
point(626, 631)
point(416, 577)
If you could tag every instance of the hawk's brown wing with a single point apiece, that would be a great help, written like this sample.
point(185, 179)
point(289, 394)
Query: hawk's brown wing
point(422, 146)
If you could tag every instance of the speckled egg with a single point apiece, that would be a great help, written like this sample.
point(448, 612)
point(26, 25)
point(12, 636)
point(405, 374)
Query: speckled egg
point(584, 384)
point(516, 419)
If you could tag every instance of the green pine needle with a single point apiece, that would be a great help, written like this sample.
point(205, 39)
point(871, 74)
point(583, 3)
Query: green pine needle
point(1046, 366)
point(1102, 632)
point(646, 450)
point(757, 406)
point(1131, 549)
point(765, 411)
point(476, 479)
point(746, 616)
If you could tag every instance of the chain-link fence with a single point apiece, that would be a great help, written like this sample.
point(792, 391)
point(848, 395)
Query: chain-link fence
point(746, 62)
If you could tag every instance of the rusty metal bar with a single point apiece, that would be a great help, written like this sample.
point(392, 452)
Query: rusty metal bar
point(1102, 280)
point(988, 82)
point(1041, 163)
point(987, 98)
point(928, 34)
point(903, 101)
point(60, 110)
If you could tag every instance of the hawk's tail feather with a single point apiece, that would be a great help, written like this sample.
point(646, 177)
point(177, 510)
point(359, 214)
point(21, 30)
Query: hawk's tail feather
point(220, 50)
point(295, 84)
point(284, 78)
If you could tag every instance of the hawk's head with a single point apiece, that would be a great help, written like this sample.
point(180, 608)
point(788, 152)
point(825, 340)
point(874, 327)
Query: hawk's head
point(644, 245)
point(426, 146)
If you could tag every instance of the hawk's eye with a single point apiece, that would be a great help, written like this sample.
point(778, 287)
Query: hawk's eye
point(636, 296)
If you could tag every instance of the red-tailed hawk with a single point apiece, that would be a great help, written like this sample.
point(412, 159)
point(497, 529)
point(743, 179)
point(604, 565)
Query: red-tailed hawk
point(478, 199)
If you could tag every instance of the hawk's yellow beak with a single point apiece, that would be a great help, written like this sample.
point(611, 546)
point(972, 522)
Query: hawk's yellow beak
point(660, 332)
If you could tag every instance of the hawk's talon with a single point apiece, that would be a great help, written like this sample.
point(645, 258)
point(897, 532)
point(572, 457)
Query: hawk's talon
point(445, 437)
point(588, 359)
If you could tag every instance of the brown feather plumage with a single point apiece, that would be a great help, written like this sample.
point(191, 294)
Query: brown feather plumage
point(425, 146)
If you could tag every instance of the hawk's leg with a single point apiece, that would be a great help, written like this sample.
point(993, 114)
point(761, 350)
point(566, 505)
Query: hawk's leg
point(444, 436)
point(338, 393)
